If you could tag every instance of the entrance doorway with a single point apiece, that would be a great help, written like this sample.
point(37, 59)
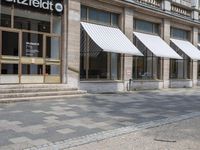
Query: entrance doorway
point(29, 57)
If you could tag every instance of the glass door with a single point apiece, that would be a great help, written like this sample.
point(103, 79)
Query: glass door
point(9, 52)
point(32, 58)
point(52, 59)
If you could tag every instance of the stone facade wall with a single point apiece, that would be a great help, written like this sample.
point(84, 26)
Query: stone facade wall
point(181, 84)
point(102, 87)
point(146, 85)
point(73, 41)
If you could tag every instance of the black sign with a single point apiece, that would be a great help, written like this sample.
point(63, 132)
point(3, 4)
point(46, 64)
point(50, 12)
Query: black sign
point(44, 5)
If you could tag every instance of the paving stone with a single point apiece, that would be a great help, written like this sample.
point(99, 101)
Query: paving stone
point(65, 131)
point(20, 140)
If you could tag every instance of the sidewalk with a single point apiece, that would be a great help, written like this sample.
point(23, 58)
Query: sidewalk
point(52, 123)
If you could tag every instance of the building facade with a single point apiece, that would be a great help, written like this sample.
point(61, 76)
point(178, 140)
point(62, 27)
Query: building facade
point(100, 46)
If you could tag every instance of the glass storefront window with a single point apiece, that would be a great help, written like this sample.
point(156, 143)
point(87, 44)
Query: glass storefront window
point(52, 47)
point(97, 64)
point(94, 62)
point(147, 67)
point(83, 13)
point(10, 47)
point(31, 21)
point(180, 69)
point(99, 16)
point(179, 34)
point(57, 25)
point(32, 69)
point(115, 66)
point(198, 70)
point(52, 69)
point(5, 16)
point(9, 69)
point(32, 45)
point(146, 26)
point(115, 20)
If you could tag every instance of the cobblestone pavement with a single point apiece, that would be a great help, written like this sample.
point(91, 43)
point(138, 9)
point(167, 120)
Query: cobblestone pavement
point(36, 123)
point(182, 135)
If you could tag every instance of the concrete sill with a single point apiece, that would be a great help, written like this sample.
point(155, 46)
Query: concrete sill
point(147, 80)
point(101, 81)
point(180, 80)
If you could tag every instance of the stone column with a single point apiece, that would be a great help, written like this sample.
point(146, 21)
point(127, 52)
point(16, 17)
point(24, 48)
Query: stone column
point(128, 59)
point(64, 44)
point(73, 41)
point(195, 63)
point(166, 62)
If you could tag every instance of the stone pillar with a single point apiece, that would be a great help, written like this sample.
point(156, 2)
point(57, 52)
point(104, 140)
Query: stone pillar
point(73, 41)
point(128, 59)
point(166, 62)
point(64, 44)
point(195, 14)
point(195, 63)
point(166, 5)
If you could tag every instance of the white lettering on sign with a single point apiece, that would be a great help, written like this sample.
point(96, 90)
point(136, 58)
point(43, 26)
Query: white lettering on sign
point(47, 5)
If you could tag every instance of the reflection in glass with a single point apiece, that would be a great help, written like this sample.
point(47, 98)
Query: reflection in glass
point(147, 67)
point(115, 66)
point(5, 16)
point(52, 47)
point(179, 33)
point(146, 26)
point(9, 69)
point(83, 13)
point(32, 69)
point(29, 21)
point(9, 43)
point(98, 66)
point(57, 25)
point(32, 45)
point(52, 69)
point(114, 20)
point(180, 69)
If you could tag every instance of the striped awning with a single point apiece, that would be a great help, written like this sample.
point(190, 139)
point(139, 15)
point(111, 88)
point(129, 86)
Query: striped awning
point(188, 48)
point(110, 39)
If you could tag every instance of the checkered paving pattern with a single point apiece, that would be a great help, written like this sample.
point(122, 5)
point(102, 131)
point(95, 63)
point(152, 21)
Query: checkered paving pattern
point(34, 123)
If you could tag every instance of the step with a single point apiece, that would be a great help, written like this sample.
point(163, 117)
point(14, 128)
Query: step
point(56, 97)
point(27, 90)
point(36, 94)
point(22, 86)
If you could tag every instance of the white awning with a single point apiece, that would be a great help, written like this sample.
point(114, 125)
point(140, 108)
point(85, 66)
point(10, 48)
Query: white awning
point(157, 45)
point(110, 39)
point(187, 47)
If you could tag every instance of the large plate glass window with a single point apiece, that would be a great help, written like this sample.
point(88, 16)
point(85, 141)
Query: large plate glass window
point(180, 69)
point(10, 43)
point(32, 45)
point(96, 64)
point(5, 16)
point(149, 66)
